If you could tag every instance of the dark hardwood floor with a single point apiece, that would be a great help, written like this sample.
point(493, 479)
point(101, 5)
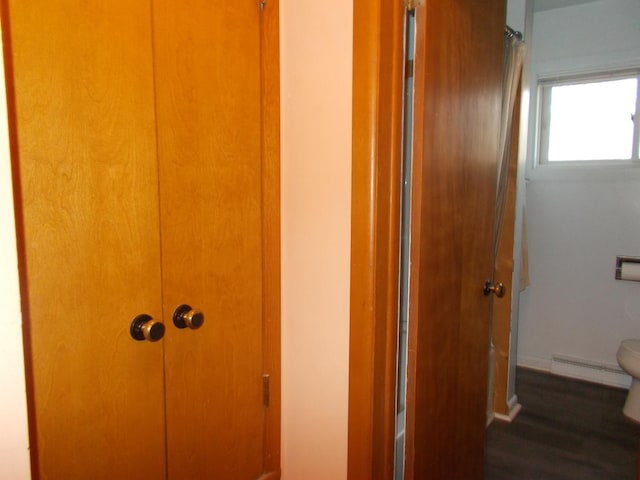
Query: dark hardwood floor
point(567, 430)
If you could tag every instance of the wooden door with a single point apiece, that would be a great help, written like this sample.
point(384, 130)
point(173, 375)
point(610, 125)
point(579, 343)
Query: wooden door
point(219, 231)
point(457, 113)
point(146, 140)
point(80, 92)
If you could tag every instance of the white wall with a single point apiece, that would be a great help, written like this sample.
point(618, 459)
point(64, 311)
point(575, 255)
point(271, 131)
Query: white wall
point(14, 443)
point(578, 220)
point(316, 67)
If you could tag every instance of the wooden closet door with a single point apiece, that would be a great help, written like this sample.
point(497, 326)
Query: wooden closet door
point(213, 213)
point(80, 83)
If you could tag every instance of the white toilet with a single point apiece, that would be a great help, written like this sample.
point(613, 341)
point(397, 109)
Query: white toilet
point(629, 360)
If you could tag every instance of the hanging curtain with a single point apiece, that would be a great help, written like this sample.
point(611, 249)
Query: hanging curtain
point(512, 67)
point(524, 258)
point(513, 57)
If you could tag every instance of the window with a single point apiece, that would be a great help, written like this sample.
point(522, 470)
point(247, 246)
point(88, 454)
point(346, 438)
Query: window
point(590, 119)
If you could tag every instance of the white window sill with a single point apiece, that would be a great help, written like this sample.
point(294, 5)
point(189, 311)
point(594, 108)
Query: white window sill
point(584, 173)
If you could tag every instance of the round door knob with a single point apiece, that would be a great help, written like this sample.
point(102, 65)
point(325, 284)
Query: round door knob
point(144, 327)
point(498, 290)
point(186, 317)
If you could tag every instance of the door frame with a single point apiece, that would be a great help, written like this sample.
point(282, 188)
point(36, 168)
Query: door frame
point(378, 89)
point(378, 79)
point(271, 251)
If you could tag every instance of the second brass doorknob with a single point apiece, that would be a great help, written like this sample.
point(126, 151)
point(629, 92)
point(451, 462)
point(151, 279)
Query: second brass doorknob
point(498, 290)
point(186, 317)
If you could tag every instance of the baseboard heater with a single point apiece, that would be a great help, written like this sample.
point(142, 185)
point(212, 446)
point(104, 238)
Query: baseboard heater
point(582, 369)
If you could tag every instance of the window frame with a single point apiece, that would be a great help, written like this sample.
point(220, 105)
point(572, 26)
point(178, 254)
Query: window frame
point(545, 84)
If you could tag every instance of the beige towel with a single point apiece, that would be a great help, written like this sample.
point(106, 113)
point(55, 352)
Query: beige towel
point(524, 259)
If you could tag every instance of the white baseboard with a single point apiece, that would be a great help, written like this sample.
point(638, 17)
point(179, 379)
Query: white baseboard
point(514, 408)
point(513, 403)
point(579, 368)
point(534, 363)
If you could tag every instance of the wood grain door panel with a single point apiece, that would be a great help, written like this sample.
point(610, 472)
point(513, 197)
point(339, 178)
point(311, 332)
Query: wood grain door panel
point(82, 107)
point(457, 104)
point(208, 81)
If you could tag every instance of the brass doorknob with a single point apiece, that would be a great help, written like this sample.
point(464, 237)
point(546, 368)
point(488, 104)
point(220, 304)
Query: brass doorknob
point(186, 317)
point(498, 290)
point(144, 327)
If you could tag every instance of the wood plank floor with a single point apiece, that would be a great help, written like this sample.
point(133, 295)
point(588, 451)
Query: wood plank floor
point(567, 430)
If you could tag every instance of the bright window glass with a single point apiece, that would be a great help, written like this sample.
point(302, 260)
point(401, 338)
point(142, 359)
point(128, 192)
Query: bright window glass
point(590, 121)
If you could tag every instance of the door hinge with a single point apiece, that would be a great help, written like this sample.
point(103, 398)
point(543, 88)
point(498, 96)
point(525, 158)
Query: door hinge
point(265, 389)
point(408, 69)
point(411, 4)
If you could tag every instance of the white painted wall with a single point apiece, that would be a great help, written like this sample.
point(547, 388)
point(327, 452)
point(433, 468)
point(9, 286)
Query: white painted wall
point(14, 442)
point(316, 67)
point(578, 220)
